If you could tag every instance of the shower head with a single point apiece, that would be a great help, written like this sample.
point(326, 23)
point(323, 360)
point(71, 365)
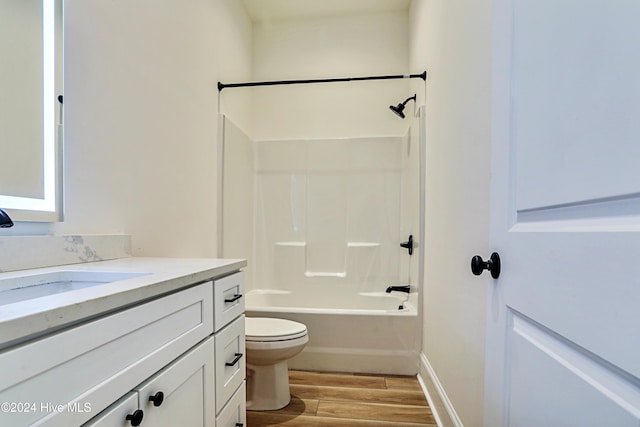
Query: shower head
point(399, 109)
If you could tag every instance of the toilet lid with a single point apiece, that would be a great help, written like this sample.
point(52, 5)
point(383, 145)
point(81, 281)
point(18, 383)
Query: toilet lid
point(267, 329)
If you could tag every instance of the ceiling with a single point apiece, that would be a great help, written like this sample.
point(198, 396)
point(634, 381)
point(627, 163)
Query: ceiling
point(276, 10)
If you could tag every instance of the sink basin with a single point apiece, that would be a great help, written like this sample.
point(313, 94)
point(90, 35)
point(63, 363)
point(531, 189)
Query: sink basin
point(24, 288)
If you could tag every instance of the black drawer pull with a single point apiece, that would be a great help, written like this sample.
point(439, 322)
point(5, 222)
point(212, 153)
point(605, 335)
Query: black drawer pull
point(239, 425)
point(235, 298)
point(234, 361)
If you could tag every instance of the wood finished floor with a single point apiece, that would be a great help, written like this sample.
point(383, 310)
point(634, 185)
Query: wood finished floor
point(344, 400)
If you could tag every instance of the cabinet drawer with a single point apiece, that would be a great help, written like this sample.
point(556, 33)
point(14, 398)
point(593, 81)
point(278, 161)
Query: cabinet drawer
point(228, 299)
point(108, 356)
point(186, 388)
point(234, 413)
point(230, 361)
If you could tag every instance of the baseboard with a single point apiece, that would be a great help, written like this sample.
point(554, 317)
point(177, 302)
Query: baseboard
point(443, 411)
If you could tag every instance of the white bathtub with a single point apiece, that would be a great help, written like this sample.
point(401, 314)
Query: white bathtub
point(364, 332)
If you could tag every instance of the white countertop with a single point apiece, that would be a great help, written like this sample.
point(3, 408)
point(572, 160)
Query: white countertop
point(37, 316)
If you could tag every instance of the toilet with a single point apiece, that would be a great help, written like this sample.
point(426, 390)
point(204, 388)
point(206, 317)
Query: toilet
point(269, 344)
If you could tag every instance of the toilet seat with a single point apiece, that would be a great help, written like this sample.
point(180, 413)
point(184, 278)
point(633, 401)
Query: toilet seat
point(264, 329)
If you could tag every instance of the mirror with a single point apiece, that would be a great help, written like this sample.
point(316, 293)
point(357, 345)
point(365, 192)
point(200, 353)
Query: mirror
point(30, 114)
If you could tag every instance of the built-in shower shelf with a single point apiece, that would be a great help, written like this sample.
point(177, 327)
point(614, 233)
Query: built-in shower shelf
point(292, 244)
point(325, 274)
point(349, 244)
point(362, 244)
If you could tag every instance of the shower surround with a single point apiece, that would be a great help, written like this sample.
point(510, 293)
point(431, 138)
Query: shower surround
point(321, 222)
point(328, 215)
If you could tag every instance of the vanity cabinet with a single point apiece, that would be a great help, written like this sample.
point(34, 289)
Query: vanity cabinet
point(162, 359)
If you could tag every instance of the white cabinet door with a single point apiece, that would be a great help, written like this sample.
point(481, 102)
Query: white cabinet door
point(180, 394)
point(563, 320)
point(183, 393)
point(123, 413)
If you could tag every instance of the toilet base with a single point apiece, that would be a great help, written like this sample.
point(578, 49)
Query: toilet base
point(268, 386)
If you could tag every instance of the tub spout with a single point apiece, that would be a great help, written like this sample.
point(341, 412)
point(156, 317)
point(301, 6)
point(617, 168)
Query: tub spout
point(403, 288)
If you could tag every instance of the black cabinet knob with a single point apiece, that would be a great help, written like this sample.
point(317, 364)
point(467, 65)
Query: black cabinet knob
point(157, 398)
point(478, 265)
point(136, 417)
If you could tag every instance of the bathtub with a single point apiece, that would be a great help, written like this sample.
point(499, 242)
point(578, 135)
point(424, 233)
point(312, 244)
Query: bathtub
point(364, 332)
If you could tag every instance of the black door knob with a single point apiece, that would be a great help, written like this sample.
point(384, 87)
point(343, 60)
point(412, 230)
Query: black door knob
point(136, 417)
point(478, 265)
point(157, 398)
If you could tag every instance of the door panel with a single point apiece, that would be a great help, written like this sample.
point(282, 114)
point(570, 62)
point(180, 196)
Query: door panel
point(574, 86)
point(563, 320)
point(586, 390)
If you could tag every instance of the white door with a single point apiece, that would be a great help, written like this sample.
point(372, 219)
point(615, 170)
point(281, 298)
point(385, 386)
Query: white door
point(563, 345)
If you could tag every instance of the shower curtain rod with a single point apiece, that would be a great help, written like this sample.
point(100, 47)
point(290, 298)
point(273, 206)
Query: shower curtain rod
point(422, 76)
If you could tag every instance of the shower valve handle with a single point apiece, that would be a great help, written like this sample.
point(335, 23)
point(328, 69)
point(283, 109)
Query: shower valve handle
point(408, 244)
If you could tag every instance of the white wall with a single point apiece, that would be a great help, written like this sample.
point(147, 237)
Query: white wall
point(325, 47)
point(452, 40)
point(141, 118)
